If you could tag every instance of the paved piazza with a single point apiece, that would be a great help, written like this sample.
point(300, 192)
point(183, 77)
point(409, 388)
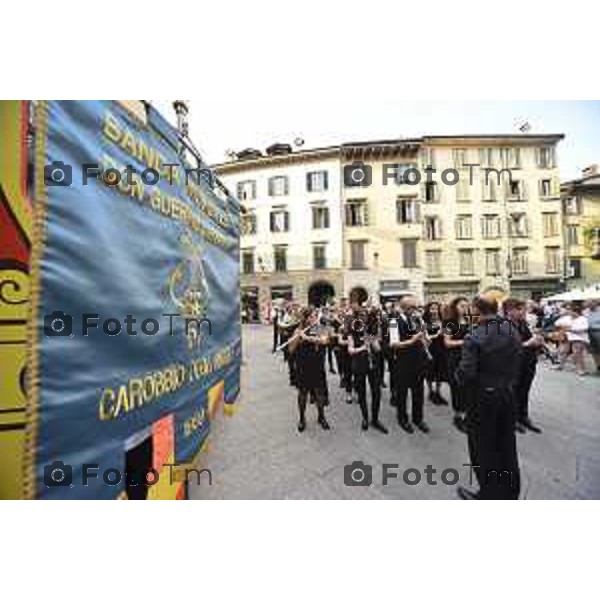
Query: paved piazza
point(258, 453)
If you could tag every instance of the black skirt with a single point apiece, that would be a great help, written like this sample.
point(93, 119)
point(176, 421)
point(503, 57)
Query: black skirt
point(438, 366)
point(310, 366)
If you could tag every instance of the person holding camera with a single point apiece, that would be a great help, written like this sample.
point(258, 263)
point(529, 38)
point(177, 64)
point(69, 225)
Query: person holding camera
point(410, 363)
point(307, 347)
point(364, 348)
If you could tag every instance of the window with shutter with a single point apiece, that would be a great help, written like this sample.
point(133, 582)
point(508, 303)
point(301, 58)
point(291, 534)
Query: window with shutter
point(519, 261)
point(553, 260)
point(357, 254)
point(492, 262)
point(409, 253)
point(466, 262)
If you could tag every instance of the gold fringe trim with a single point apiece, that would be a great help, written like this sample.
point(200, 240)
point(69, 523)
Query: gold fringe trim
point(38, 244)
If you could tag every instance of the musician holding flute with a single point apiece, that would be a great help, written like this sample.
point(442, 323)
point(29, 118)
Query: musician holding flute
point(406, 338)
point(308, 347)
point(364, 348)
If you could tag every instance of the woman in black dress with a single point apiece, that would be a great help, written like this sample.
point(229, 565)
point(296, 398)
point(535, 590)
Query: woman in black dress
point(456, 326)
point(308, 347)
point(438, 371)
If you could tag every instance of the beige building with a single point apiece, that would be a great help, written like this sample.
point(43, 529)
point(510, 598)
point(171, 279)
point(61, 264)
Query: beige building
point(581, 209)
point(489, 216)
point(438, 216)
point(291, 243)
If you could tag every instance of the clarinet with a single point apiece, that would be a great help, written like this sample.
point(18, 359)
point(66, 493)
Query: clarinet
point(425, 341)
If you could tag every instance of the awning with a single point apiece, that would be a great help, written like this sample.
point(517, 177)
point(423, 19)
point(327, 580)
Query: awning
point(391, 292)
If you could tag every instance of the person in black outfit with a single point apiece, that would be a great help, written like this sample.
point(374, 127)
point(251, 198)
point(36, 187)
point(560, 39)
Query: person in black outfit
point(344, 361)
point(392, 314)
point(287, 326)
point(410, 363)
point(308, 348)
point(364, 348)
point(438, 371)
point(328, 323)
point(491, 357)
point(456, 327)
point(515, 310)
point(275, 319)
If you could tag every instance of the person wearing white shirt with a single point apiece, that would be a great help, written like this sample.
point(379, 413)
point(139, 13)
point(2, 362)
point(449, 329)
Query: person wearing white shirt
point(575, 326)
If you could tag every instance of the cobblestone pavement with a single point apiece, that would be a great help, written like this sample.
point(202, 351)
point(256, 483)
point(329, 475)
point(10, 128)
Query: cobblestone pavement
point(258, 453)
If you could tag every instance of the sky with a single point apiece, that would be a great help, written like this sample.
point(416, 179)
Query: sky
point(219, 124)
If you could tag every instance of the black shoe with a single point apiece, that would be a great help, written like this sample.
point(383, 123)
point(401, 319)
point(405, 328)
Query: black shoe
point(460, 424)
point(406, 426)
point(301, 425)
point(441, 400)
point(434, 398)
point(465, 494)
point(379, 426)
point(324, 424)
point(422, 426)
point(364, 425)
point(520, 428)
point(531, 426)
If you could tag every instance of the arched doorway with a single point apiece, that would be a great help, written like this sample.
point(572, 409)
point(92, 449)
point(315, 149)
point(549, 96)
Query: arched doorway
point(320, 293)
point(358, 295)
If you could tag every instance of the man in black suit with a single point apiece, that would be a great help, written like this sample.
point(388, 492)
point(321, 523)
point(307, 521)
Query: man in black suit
point(409, 363)
point(490, 362)
point(515, 310)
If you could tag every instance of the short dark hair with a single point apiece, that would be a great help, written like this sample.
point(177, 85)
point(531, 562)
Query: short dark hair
point(485, 306)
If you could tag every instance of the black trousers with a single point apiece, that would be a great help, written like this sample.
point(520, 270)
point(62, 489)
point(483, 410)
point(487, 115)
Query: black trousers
point(360, 385)
point(493, 445)
point(275, 337)
point(345, 370)
point(526, 377)
point(415, 385)
point(393, 386)
point(457, 393)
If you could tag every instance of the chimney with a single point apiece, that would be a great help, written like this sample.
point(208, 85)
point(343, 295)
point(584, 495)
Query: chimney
point(279, 149)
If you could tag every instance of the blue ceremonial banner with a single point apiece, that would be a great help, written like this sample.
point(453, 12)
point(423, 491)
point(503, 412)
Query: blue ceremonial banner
point(135, 322)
